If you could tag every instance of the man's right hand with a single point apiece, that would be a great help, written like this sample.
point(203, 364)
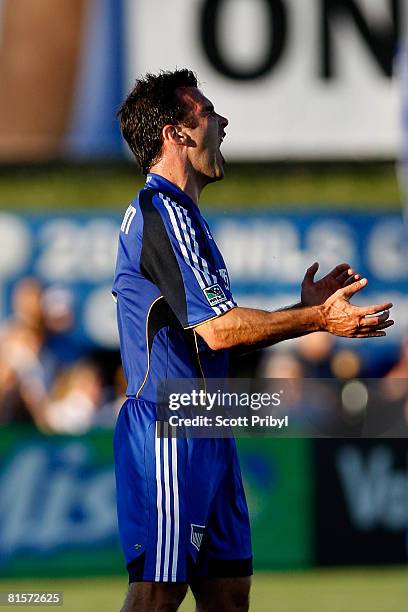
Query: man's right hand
point(344, 319)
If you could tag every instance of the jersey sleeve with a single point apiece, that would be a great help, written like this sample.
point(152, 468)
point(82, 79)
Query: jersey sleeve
point(178, 258)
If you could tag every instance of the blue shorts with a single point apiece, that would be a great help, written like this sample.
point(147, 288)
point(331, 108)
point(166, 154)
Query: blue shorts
point(182, 511)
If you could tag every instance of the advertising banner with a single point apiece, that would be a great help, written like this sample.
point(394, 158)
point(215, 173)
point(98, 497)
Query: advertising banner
point(58, 513)
point(66, 59)
point(297, 79)
point(361, 509)
point(266, 254)
point(304, 79)
point(57, 505)
point(278, 484)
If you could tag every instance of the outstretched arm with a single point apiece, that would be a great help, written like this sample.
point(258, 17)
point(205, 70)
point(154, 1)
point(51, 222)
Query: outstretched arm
point(247, 327)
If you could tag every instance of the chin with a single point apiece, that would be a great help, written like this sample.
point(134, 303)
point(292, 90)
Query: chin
point(219, 169)
point(213, 172)
point(218, 175)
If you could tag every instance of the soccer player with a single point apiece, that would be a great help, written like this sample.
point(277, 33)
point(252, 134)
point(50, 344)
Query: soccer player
point(182, 514)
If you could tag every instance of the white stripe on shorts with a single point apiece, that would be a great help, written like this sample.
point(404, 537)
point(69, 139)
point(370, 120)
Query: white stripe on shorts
point(159, 503)
point(176, 508)
point(164, 520)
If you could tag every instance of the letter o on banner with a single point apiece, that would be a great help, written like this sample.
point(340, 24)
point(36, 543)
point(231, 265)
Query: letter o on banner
point(277, 24)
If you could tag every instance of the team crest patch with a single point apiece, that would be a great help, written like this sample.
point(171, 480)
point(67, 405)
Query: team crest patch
point(214, 295)
point(197, 533)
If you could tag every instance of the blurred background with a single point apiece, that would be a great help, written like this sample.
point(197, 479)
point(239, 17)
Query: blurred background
point(316, 92)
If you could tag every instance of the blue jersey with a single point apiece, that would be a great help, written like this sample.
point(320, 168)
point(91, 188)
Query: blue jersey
point(182, 512)
point(170, 276)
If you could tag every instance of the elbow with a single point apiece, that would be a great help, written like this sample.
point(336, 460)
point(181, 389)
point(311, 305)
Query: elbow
point(213, 337)
point(214, 341)
point(219, 333)
point(216, 344)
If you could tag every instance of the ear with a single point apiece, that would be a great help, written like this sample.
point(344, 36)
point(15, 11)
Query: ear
point(174, 134)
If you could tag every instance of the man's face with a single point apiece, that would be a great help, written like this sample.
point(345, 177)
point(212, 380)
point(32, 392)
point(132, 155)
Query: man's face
point(205, 136)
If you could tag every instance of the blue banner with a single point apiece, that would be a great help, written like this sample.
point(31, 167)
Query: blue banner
point(266, 253)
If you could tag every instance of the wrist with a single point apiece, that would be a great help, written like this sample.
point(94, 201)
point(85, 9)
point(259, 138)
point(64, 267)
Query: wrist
point(319, 316)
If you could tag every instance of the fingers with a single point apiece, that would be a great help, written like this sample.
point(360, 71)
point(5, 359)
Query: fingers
point(368, 330)
point(350, 290)
point(345, 275)
point(377, 334)
point(378, 327)
point(373, 309)
point(374, 321)
point(341, 272)
point(386, 325)
point(310, 272)
point(351, 279)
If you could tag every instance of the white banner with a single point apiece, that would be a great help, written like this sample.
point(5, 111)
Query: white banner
point(300, 79)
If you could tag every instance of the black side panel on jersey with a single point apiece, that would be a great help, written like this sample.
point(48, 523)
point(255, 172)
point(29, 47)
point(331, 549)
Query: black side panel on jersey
point(161, 316)
point(158, 262)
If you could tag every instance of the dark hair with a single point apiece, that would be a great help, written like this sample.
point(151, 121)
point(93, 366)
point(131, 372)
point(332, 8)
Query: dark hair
point(152, 104)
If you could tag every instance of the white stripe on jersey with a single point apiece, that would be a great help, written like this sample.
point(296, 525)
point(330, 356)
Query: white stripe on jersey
point(183, 249)
point(125, 218)
point(187, 239)
point(132, 214)
point(212, 279)
point(190, 249)
point(128, 218)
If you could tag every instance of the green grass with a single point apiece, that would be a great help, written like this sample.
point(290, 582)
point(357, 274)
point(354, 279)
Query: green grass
point(61, 187)
point(345, 590)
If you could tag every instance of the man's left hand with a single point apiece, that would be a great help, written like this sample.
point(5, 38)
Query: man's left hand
point(315, 293)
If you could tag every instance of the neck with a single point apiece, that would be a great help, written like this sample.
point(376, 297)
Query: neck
point(182, 176)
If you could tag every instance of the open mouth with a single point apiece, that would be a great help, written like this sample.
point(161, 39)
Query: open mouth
point(221, 139)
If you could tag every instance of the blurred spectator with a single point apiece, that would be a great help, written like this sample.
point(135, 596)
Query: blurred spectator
point(57, 309)
point(285, 365)
point(280, 364)
point(27, 304)
point(400, 369)
point(23, 390)
point(75, 399)
point(314, 352)
point(59, 321)
point(345, 364)
point(40, 381)
point(395, 382)
point(47, 380)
